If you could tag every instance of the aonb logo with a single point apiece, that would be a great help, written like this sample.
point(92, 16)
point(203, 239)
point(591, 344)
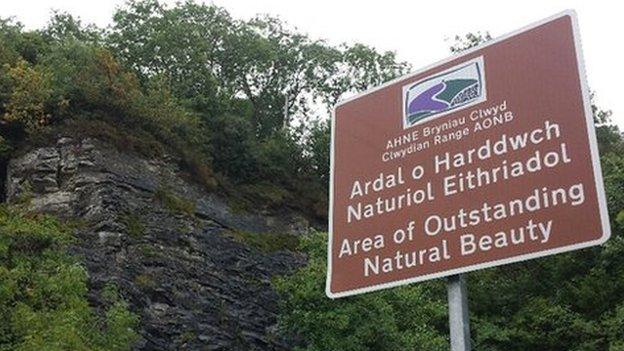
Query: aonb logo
point(435, 96)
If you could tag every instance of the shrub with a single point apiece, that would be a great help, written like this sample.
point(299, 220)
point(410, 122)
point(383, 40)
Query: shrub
point(404, 318)
point(234, 147)
point(145, 281)
point(134, 225)
point(267, 242)
point(4, 147)
point(43, 292)
point(175, 203)
point(30, 92)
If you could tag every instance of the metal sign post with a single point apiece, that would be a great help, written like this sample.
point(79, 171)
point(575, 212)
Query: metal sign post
point(459, 322)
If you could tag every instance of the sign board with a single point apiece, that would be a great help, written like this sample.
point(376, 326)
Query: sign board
point(483, 159)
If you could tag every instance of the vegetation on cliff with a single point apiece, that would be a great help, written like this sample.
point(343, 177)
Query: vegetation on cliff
point(234, 101)
point(43, 292)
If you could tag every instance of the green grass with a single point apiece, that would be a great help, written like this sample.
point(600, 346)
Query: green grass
point(267, 242)
point(149, 251)
point(246, 197)
point(175, 203)
point(145, 281)
point(187, 336)
point(134, 225)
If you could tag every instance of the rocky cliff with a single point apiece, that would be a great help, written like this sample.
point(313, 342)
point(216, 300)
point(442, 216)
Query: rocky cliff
point(177, 253)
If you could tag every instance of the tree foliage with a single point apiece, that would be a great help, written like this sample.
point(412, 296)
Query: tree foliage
point(408, 318)
point(213, 58)
point(469, 41)
point(234, 100)
point(30, 90)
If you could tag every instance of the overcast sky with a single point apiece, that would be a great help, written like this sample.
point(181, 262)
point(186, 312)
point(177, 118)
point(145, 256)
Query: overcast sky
point(419, 31)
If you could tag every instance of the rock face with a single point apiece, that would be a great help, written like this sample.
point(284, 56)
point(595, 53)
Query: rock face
point(168, 245)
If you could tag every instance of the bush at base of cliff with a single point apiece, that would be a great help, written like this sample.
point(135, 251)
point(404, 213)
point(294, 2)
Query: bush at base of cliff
point(396, 319)
point(4, 147)
point(43, 303)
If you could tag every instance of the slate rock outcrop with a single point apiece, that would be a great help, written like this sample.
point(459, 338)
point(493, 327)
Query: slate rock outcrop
point(194, 285)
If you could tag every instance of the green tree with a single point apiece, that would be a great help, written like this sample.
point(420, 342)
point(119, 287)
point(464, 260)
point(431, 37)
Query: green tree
point(277, 69)
point(468, 41)
point(185, 43)
point(360, 67)
point(318, 147)
point(63, 27)
point(30, 90)
point(406, 318)
point(212, 59)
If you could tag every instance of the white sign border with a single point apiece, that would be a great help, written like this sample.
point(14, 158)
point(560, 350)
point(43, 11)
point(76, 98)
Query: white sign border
point(602, 203)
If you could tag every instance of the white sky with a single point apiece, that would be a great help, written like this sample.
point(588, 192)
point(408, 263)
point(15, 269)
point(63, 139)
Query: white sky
point(420, 32)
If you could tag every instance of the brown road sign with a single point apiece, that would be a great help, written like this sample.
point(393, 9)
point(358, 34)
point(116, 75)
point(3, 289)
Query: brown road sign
point(484, 159)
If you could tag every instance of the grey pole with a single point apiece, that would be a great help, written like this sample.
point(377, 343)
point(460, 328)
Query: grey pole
point(459, 321)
